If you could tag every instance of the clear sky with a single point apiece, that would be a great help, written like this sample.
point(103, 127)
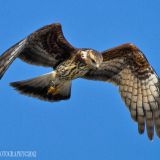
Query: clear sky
point(94, 123)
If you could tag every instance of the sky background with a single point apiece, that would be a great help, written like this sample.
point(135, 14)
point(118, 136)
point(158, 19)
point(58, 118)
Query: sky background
point(94, 123)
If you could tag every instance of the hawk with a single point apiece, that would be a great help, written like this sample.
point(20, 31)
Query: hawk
point(125, 66)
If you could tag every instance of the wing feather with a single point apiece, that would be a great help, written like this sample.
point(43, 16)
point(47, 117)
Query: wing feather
point(45, 47)
point(139, 86)
point(10, 55)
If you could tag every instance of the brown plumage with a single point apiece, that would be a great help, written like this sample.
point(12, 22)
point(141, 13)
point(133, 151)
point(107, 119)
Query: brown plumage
point(125, 66)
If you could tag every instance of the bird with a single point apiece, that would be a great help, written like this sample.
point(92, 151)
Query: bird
point(125, 66)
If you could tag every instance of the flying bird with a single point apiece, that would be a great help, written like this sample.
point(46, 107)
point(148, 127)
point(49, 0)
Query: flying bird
point(125, 66)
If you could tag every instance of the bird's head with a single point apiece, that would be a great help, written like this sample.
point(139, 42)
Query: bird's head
point(91, 58)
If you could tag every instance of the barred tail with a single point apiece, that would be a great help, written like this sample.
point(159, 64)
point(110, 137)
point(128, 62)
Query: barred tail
point(42, 88)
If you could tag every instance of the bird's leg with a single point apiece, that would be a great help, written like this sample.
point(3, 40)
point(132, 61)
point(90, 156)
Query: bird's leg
point(53, 88)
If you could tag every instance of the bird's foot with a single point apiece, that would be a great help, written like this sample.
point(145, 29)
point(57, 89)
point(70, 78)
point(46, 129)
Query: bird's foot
point(53, 88)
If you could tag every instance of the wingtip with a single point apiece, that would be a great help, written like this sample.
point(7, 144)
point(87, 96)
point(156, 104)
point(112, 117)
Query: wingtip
point(151, 139)
point(131, 46)
point(1, 74)
point(151, 136)
point(56, 25)
point(141, 130)
point(12, 84)
point(1, 77)
point(15, 85)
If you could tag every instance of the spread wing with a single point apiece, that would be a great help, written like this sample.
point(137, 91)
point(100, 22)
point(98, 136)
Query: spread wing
point(139, 85)
point(45, 47)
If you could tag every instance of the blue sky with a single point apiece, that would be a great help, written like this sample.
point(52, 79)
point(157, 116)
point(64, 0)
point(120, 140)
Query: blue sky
point(94, 123)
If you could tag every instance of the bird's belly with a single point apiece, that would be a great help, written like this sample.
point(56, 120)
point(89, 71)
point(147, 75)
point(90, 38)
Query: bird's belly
point(72, 74)
point(78, 74)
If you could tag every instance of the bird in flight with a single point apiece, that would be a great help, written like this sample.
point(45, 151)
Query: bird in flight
point(125, 66)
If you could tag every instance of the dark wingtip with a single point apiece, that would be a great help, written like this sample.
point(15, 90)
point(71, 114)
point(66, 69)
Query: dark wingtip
point(1, 76)
point(14, 84)
point(17, 87)
point(56, 26)
point(141, 130)
point(150, 136)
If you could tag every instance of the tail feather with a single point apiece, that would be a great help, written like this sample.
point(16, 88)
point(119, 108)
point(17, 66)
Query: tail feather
point(10, 55)
point(42, 88)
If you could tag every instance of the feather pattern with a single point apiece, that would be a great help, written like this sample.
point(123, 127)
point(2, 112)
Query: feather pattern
point(41, 87)
point(44, 47)
point(47, 47)
point(139, 85)
point(9, 56)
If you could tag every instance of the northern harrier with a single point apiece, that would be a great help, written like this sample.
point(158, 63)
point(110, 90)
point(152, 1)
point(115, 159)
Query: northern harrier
point(125, 66)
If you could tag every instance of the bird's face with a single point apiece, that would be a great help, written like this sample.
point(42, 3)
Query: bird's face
point(91, 58)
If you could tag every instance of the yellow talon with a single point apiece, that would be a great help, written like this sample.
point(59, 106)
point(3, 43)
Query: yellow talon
point(52, 90)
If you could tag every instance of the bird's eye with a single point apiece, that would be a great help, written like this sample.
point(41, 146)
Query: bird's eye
point(82, 56)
